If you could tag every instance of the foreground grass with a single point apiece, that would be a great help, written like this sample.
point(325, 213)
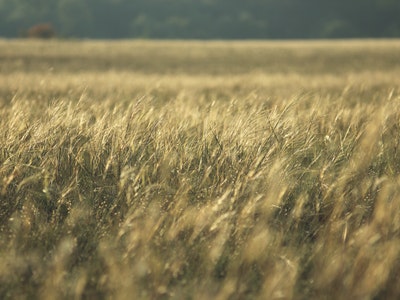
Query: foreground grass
point(174, 182)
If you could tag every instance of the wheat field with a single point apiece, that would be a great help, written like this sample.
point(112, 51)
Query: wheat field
point(199, 170)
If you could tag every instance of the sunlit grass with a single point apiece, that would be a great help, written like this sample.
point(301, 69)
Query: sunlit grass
point(207, 183)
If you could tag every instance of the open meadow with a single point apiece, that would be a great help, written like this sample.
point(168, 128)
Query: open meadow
point(199, 170)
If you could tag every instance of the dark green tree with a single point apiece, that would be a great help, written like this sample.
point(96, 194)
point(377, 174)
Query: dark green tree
point(204, 19)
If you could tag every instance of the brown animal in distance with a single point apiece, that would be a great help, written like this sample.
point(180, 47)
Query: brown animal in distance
point(41, 31)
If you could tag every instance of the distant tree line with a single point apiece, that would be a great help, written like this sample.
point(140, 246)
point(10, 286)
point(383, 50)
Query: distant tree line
point(203, 19)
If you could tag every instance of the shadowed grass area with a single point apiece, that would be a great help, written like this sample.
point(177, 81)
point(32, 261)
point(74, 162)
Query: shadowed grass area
point(191, 170)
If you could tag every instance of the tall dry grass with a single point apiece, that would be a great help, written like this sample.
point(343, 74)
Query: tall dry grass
point(199, 173)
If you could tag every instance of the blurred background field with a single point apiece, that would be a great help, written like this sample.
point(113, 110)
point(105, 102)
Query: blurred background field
point(131, 68)
point(199, 170)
